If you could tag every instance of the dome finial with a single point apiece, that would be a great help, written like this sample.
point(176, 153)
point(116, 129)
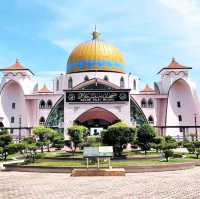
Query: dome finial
point(17, 60)
point(95, 34)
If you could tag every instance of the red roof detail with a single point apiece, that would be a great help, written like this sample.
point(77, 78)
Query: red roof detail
point(44, 89)
point(175, 64)
point(16, 66)
point(97, 113)
point(147, 88)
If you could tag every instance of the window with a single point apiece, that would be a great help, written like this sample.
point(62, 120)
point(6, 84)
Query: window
point(150, 119)
point(106, 78)
point(179, 118)
point(42, 120)
point(121, 82)
point(57, 84)
point(178, 104)
point(70, 83)
point(150, 103)
point(13, 105)
point(49, 104)
point(143, 103)
point(86, 78)
point(134, 84)
point(42, 104)
point(12, 119)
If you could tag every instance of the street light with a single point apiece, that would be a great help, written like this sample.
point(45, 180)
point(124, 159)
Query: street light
point(20, 126)
point(195, 123)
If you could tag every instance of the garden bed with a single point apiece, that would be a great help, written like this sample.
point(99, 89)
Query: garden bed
point(130, 166)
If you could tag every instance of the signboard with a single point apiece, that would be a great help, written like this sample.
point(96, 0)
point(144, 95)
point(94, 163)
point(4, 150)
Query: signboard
point(102, 151)
point(97, 96)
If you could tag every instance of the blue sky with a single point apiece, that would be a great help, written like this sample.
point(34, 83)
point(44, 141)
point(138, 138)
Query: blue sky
point(42, 33)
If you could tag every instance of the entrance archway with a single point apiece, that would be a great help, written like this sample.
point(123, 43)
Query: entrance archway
point(96, 119)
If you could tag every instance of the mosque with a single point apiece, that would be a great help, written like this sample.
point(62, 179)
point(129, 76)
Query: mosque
point(96, 92)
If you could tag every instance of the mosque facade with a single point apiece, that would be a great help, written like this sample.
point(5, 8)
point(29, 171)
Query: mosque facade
point(96, 92)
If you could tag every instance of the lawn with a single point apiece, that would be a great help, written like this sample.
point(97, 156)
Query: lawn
point(114, 163)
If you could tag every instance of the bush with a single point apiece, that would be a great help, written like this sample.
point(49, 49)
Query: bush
point(93, 141)
point(145, 137)
point(118, 136)
point(177, 155)
point(77, 135)
point(190, 147)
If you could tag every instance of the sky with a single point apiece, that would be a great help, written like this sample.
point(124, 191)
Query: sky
point(42, 33)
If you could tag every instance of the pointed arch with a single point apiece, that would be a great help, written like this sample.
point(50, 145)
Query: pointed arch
point(49, 103)
point(150, 119)
point(42, 104)
point(137, 115)
point(97, 113)
point(150, 103)
point(86, 78)
point(143, 103)
point(41, 120)
point(56, 115)
point(106, 78)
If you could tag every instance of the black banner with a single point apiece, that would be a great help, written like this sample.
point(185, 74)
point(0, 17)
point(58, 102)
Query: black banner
point(97, 96)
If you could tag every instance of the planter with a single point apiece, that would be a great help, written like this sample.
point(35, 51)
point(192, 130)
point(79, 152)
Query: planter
point(128, 169)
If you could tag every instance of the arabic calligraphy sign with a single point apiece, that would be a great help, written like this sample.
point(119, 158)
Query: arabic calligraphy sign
point(97, 96)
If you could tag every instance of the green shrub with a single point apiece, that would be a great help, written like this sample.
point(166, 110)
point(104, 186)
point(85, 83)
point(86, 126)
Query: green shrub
point(118, 136)
point(177, 155)
point(145, 137)
point(93, 141)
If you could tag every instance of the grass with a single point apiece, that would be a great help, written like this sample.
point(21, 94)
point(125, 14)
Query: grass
point(114, 163)
point(57, 154)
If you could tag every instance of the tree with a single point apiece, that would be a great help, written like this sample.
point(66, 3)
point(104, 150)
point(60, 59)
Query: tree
point(166, 146)
point(77, 134)
point(16, 147)
point(5, 140)
point(145, 137)
point(118, 135)
point(196, 145)
point(57, 139)
point(44, 135)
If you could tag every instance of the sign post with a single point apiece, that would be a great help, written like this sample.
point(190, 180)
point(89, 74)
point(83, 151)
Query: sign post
point(98, 152)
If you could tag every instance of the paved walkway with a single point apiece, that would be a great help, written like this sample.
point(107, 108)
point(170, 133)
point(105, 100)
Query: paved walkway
point(160, 185)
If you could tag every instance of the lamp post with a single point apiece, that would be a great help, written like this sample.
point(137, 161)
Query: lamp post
point(195, 123)
point(20, 126)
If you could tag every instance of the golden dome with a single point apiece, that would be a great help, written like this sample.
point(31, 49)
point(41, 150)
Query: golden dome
point(95, 55)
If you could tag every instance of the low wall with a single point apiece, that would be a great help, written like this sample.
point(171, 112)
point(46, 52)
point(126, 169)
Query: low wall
point(128, 169)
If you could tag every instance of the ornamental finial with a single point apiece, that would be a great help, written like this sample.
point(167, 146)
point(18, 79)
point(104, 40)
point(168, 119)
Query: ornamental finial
point(95, 34)
point(17, 60)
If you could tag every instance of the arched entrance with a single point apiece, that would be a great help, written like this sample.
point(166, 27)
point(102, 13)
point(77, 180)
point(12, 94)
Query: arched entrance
point(96, 119)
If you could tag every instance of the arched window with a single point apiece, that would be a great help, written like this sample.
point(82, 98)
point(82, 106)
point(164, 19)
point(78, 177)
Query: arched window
point(42, 104)
point(49, 104)
point(86, 78)
point(134, 84)
point(42, 121)
point(150, 103)
point(121, 82)
point(57, 84)
point(106, 78)
point(143, 103)
point(150, 119)
point(70, 83)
